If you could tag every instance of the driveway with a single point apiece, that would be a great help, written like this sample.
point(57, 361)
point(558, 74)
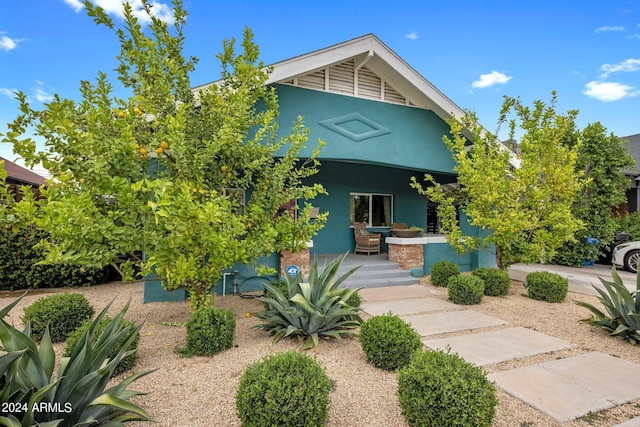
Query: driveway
point(581, 280)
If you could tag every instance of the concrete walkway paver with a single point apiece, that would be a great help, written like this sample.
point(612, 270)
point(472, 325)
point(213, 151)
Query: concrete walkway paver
point(572, 387)
point(563, 389)
point(450, 321)
point(634, 422)
point(408, 306)
point(498, 346)
point(396, 292)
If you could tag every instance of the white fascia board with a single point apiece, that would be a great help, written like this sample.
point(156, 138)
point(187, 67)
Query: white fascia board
point(367, 46)
point(320, 59)
point(441, 105)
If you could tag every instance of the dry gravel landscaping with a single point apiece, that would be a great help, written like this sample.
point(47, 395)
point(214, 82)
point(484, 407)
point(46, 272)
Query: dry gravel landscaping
point(199, 391)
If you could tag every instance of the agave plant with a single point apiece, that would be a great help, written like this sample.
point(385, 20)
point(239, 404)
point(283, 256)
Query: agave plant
point(77, 394)
point(312, 309)
point(622, 306)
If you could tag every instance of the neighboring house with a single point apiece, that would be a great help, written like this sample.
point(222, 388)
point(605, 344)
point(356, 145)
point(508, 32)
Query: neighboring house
point(19, 176)
point(383, 123)
point(633, 193)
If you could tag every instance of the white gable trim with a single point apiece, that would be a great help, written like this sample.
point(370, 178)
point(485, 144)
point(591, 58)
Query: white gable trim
point(370, 51)
point(366, 50)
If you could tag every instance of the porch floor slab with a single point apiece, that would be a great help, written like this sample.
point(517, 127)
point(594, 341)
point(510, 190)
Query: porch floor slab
point(450, 321)
point(569, 388)
point(396, 293)
point(498, 346)
point(407, 306)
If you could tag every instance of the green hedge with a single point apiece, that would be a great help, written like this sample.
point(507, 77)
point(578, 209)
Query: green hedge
point(61, 313)
point(441, 389)
point(210, 330)
point(546, 286)
point(18, 269)
point(388, 341)
point(442, 271)
point(466, 290)
point(287, 389)
point(496, 281)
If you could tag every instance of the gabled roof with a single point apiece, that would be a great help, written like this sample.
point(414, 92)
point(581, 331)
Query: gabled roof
point(22, 175)
point(370, 51)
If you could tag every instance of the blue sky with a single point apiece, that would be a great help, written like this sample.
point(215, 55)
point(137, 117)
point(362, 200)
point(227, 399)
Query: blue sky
point(473, 51)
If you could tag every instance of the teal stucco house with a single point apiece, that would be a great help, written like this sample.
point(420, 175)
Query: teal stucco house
point(382, 123)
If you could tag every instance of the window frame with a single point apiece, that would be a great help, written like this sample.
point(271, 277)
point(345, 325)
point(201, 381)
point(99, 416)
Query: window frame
point(370, 208)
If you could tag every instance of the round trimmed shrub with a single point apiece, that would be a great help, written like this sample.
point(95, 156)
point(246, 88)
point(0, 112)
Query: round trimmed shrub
point(62, 313)
point(126, 363)
point(442, 271)
point(210, 330)
point(466, 290)
point(284, 389)
point(546, 286)
point(388, 341)
point(496, 281)
point(442, 389)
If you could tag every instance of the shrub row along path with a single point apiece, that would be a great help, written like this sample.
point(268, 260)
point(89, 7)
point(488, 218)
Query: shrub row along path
point(563, 388)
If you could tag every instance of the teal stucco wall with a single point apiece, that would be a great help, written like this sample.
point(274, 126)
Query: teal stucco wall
point(367, 131)
point(434, 252)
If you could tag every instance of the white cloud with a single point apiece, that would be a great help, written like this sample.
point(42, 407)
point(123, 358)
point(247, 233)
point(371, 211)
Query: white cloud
point(9, 93)
point(609, 29)
point(609, 91)
point(76, 5)
point(491, 79)
point(412, 36)
point(7, 43)
point(163, 11)
point(626, 66)
point(42, 92)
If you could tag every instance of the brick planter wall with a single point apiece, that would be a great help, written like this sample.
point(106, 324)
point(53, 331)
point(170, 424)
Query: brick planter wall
point(407, 256)
point(299, 259)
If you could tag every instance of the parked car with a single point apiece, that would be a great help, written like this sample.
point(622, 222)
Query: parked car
point(627, 255)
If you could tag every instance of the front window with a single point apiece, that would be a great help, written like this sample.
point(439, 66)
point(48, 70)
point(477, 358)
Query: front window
point(375, 210)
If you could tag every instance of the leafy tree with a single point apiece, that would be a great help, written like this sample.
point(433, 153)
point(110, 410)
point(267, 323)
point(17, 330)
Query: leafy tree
point(522, 205)
point(630, 223)
point(161, 171)
point(602, 159)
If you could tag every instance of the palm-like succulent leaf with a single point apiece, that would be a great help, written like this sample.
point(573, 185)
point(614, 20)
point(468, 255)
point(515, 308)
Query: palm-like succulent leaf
point(622, 317)
point(313, 309)
point(26, 376)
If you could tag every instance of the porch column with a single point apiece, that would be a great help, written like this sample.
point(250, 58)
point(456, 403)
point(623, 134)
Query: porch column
point(407, 252)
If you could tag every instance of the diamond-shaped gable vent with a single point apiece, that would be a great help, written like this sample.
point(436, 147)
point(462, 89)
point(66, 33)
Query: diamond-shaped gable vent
point(355, 126)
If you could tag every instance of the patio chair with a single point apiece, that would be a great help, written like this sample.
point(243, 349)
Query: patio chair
point(398, 226)
point(365, 241)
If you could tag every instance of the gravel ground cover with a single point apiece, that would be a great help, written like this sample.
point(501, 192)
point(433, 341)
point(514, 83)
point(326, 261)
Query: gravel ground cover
point(199, 391)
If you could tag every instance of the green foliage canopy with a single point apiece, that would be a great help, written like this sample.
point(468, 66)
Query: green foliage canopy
point(602, 160)
point(154, 172)
point(522, 204)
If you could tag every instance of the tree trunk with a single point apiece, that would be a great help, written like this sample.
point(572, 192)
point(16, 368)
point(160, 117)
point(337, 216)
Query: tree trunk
point(499, 262)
